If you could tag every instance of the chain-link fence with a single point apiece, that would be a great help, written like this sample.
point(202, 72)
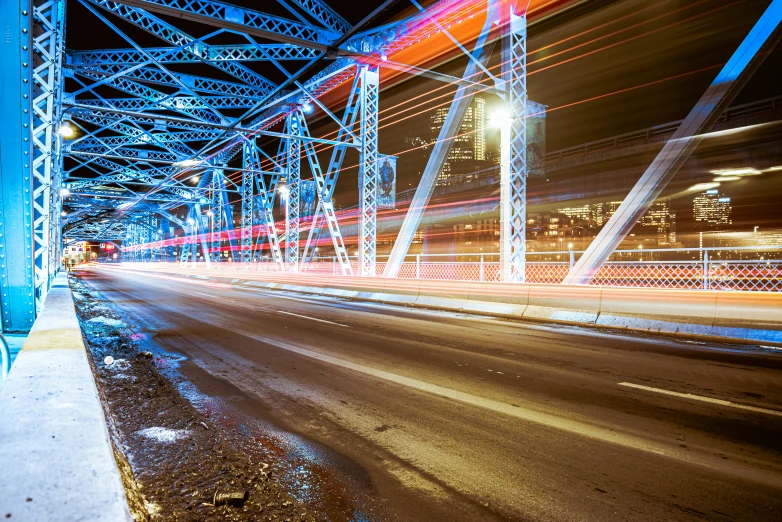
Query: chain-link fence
point(649, 269)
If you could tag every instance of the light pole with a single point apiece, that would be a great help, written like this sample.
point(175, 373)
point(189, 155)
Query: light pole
point(212, 227)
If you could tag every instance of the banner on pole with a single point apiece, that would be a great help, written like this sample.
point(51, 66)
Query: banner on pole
point(308, 197)
point(386, 190)
point(536, 139)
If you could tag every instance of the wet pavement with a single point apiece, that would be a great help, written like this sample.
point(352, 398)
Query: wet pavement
point(422, 415)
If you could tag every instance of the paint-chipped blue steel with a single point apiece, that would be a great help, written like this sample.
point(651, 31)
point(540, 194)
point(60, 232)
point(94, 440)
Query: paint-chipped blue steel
point(17, 301)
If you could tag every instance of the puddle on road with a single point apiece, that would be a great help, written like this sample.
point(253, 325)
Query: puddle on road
point(312, 475)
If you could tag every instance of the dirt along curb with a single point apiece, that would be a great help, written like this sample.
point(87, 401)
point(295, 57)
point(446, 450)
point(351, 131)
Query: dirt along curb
point(173, 459)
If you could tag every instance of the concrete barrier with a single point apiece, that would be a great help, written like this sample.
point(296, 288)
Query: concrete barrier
point(499, 299)
point(744, 317)
point(683, 312)
point(57, 460)
point(451, 295)
point(757, 315)
point(569, 304)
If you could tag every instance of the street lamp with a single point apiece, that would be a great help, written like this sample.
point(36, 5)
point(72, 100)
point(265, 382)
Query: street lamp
point(65, 130)
point(501, 118)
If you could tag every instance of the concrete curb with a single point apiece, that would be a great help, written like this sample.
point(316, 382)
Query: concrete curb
point(738, 317)
point(54, 441)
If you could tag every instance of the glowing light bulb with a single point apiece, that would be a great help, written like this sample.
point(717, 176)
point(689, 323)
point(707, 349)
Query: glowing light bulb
point(499, 118)
point(66, 131)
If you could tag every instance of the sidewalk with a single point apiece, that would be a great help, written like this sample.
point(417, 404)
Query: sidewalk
point(57, 460)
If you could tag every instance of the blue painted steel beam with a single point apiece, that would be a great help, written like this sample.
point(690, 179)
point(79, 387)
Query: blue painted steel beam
point(17, 300)
point(155, 76)
point(178, 38)
point(208, 52)
point(247, 21)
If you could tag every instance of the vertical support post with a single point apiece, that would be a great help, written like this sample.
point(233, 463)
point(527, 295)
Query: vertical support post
point(370, 82)
point(216, 217)
point(481, 275)
point(513, 169)
point(17, 296)
point(47, 44)
point(248, 180)
point(705, 269)
point(293, 157)
point(418, 266)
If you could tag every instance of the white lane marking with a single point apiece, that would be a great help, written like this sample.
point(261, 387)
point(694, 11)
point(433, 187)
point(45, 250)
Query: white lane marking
point(701, 398)
point(526, 414)
point(312, 318)
point(205, 295)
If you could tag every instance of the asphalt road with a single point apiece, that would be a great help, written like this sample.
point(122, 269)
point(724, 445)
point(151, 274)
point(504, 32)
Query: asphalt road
point(444, 416)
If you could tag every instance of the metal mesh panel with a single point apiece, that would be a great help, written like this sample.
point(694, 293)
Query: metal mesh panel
point(742, 275)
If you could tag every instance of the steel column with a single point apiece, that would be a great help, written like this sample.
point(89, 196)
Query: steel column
point(16, 226)
point(293, 179)
point(216, 221)
point(248, 180)
point(513, 149)
point(368, 173)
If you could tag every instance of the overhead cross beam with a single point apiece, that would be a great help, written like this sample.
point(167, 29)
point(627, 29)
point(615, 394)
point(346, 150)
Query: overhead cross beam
point(218, 14)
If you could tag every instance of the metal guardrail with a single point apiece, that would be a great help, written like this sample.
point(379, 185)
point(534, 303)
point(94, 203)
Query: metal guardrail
point(709, 272)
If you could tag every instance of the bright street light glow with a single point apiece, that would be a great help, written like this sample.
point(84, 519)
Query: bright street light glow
point(499, 118)
point(66, 131)
point(210, 213)
point(187, 163)
point(747, 171)
point(64, 192)
point(307, 107)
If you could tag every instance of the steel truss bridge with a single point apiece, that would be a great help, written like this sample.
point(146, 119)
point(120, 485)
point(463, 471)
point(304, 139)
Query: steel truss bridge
point(105, 144)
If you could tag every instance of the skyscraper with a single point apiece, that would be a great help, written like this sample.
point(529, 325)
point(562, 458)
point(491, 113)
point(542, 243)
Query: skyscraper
point(710, 210)
point(470, 143)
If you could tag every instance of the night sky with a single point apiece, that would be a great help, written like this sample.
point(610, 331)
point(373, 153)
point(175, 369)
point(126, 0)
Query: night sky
point(662, 55)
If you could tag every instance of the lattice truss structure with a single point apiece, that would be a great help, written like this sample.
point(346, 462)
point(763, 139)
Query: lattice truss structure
point(168, 146)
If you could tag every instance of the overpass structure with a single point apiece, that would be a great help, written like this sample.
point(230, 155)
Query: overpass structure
point(113, 144)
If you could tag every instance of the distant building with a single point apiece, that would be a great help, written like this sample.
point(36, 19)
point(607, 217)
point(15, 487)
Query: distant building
point(584, 212)
point(658, 219)
point(480, 236)
point(711, 211)
point(468, 147)
point(469, 158)
point(658, 222)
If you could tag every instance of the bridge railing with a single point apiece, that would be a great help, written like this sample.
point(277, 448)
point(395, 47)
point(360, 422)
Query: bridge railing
point(737, 268)
point(757, 269)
